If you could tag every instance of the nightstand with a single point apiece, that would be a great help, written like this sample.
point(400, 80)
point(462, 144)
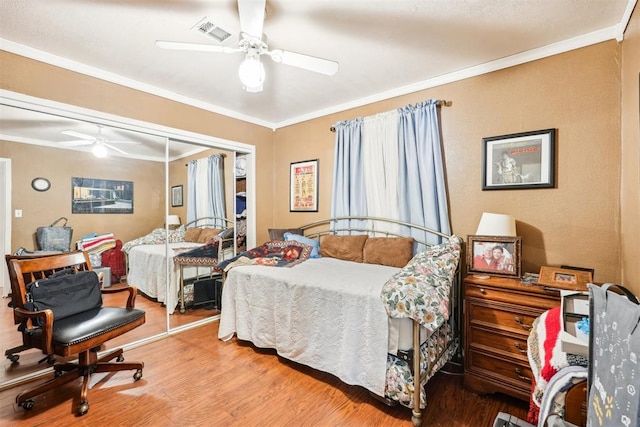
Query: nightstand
point(498, 314)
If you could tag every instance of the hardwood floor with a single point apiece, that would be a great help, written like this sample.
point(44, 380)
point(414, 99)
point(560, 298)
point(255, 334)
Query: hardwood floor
point(194, 379)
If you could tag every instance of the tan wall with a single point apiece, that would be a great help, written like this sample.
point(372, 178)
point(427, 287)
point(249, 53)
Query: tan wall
point(630, 194)
point(58, 166)
point(578, 93)
point(41, 80)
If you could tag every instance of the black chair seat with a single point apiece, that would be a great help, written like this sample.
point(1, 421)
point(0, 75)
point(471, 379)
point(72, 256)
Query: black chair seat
point(89, 324)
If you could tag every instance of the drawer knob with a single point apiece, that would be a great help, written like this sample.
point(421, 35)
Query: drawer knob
point(519, 347)
point(519, 374)
point(519, 322)
point(483, 291)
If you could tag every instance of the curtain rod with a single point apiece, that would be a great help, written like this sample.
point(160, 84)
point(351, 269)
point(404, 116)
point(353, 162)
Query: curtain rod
point(220, 154)
point(439, 103)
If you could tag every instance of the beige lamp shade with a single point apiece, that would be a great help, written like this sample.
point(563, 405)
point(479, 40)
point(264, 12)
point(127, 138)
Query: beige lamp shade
point(493, 224)
point(173, 220)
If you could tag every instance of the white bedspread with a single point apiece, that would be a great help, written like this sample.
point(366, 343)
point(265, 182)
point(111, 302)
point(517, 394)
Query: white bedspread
point(148, 267)
point(340, 327)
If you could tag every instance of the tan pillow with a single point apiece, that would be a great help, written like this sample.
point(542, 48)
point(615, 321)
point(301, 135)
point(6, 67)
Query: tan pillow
point(207, 233)
point(348, 248)
point(391, 251)
point(192, 234)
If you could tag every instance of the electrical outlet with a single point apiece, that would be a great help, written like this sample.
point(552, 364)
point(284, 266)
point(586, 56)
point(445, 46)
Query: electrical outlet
point(18, 213)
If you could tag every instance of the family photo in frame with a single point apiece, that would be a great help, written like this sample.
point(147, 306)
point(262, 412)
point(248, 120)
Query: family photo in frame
point(496, 255)
point(520, 160)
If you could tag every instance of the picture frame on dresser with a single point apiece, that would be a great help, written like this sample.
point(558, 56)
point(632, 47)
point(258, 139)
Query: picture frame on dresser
point(495, 255)
point(565, 278)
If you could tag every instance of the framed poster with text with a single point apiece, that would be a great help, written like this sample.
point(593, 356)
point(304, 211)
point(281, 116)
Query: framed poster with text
point(303, 186)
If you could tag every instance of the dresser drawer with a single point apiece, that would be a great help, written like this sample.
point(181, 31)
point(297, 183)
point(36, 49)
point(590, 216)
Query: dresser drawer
point(507, 345)
point(516, 374)
point(539, 300)
point(502, 317)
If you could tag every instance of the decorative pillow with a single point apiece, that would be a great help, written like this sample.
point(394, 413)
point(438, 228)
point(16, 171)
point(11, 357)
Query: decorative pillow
point(348, 248)
point(207, 234)
point(192, 234)
point(391, 251)
point(278, 233)
point(315, 245)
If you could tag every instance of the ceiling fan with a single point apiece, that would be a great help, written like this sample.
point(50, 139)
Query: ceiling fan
point(253, 44)
point(100, 143)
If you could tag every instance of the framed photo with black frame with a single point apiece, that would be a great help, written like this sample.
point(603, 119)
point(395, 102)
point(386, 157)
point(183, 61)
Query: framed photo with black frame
point(494, 255)
point(519, 161)
point(176, 196)
point(303, 186)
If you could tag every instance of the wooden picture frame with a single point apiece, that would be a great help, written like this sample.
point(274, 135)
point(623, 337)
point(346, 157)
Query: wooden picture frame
point(519, 161)
point(565, 278)
point(303, 186)
point(494, 255)
point(176, 196)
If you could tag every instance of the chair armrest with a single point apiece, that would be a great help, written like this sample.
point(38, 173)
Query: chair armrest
point(133, 292)
point(47, 326)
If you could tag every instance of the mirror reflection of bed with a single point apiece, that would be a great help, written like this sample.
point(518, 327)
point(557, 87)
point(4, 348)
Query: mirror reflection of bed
point(148, 173)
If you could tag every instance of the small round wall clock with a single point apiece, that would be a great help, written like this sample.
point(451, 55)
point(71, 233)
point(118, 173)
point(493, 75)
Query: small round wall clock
point(40, 184)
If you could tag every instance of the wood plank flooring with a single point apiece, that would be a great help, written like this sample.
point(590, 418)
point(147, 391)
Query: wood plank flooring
point(194, 379)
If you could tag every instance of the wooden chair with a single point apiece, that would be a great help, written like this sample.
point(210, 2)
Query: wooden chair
point(81, 334)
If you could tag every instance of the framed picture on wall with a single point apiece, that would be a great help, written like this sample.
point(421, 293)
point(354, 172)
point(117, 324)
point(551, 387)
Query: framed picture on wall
point(519, 161)
point(303, 186)
point(101, 196)
point(176, 196)
point(494, 255)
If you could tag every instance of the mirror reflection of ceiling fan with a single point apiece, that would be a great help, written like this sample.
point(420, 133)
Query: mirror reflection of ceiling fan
point(253, 44)
point(101, 144)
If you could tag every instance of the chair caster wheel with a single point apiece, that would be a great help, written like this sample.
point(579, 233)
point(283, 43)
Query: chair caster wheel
point(51, 360)
point(13, 357)
point(57, 374)
point(84, 408)
point(120, 358)
point(27, 404)
point(137, 375)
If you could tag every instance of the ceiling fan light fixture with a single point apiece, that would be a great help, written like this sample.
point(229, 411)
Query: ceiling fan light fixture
point(251, 72)
point(100, 151)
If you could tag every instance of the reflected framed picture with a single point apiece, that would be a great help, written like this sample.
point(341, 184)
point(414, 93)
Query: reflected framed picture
point(494, 255)
point(303, 186)
point(519, 161)
point(176, 196)
point(101, 196)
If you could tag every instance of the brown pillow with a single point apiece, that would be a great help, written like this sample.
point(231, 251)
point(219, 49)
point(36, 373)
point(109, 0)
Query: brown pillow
point(391, 251)
point(207, 233)
point(192, 234)
point(348, 248)
point(278, 233)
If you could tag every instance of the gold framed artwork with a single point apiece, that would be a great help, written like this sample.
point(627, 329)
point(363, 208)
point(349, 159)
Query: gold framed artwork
point(565, 278)
point(303, 186)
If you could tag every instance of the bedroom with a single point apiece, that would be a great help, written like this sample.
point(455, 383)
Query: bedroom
point(569, 224)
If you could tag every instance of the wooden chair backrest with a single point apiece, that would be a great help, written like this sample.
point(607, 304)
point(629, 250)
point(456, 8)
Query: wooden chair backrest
point(29, 270)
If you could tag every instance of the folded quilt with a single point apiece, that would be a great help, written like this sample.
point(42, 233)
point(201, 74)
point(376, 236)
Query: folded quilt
point(273, 253)
point(98, 243)
point(421, 289)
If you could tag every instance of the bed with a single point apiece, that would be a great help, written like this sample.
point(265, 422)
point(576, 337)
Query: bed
point(148, 256)
point(355, 318)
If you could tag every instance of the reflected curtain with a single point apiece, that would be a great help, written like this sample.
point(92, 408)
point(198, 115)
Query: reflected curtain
point(205, 189)
point(391, 165)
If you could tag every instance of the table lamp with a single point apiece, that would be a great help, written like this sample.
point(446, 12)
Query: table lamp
point(173, 221)
point(493, 224)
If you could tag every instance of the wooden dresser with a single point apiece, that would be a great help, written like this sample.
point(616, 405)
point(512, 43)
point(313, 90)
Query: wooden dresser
point(498, 314)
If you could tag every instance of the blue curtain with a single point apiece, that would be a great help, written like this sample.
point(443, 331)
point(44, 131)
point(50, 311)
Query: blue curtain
point(421, 194)
point(348, 196)
point(205, 189)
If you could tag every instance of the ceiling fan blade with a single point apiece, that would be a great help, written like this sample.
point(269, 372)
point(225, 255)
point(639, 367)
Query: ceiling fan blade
point(112, 141)
point(76, 143)
point(75, 134)
point(195, 46)
point(311, 63)
point(114, 148)
point(252, 17)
